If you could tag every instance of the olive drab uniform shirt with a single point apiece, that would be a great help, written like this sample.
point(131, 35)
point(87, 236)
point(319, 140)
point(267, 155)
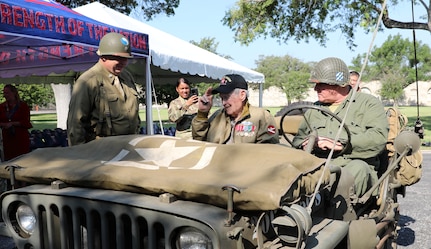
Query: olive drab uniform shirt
point(98, 109)
point(182, 116)
point(256, 125)
point(366, 119)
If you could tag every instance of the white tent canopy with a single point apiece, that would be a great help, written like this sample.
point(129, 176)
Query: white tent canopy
point(169, 57)
point(169, 52)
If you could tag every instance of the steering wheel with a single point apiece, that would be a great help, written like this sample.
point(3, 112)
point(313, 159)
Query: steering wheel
point(301, 109)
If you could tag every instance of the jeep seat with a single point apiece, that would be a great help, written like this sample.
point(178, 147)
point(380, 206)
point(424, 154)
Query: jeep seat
point(290, 126)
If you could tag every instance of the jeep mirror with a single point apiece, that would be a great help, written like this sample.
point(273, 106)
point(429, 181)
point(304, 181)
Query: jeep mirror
point(407, 139)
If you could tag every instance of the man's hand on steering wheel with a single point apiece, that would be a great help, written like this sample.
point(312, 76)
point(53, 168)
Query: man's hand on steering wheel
point(324, 143)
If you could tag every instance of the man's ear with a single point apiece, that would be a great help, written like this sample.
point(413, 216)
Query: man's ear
point(243, 95)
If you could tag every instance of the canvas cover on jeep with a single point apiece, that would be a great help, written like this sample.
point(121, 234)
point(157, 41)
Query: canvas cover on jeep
point(267, 174)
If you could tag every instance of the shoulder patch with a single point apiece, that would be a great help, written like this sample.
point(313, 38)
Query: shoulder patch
point(271, 129)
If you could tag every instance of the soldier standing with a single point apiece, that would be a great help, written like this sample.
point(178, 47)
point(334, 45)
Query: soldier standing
point(104, 99)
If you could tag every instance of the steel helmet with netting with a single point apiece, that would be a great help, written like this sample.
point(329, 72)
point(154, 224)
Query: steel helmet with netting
point(332, 71)
point(114, 44)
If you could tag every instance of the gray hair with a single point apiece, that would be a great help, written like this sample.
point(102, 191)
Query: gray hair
point(238, 90)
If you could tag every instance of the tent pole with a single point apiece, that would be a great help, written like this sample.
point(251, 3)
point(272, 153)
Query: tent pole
point(148, 103)
point(260, 94)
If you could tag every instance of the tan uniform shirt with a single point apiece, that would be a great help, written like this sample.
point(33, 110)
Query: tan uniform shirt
point(256, 125)
point(182, 116)
point(98, 108)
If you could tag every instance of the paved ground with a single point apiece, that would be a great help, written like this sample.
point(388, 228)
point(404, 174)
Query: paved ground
point(415, 209)
point(5, 242)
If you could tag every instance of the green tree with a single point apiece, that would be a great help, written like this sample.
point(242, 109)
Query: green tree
point(166, 93)
point(357, 63)
point(287, 73)
point(34, 94)
point(392, 87)
point(209, 43)
point(302, 20)
point(396, 55)
point(296, 85)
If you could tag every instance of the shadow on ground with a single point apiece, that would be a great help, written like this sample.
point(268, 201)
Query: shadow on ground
point(406, 236)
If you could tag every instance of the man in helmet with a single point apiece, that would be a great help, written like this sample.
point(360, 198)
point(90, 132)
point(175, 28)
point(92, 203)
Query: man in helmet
point(366, 120)
point(104, 99)
point(237, 121)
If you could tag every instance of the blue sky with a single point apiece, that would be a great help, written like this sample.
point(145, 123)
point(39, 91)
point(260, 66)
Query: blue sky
point(196, 19)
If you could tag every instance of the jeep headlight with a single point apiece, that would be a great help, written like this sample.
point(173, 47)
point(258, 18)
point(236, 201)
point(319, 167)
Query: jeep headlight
point(192, 238)
point(26, 219)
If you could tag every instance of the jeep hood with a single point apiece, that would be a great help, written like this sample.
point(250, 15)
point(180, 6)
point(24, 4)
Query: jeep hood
point(267, 174)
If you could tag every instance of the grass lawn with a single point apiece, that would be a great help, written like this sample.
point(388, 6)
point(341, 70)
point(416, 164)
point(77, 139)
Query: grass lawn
point(49, 121)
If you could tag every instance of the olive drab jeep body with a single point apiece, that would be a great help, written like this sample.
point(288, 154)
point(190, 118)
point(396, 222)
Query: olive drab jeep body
point(139, 191)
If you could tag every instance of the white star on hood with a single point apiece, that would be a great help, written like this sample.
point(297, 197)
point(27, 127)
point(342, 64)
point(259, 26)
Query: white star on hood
point(154, 158)
point(165, 154)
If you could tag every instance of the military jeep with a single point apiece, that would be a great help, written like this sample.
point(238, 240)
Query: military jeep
point(159, 191)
